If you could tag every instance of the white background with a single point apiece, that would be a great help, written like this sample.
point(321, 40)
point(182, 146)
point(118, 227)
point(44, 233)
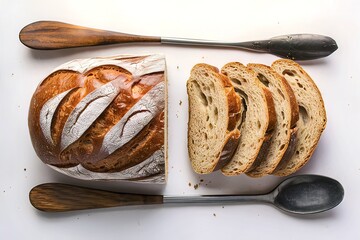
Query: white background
point(337, 76)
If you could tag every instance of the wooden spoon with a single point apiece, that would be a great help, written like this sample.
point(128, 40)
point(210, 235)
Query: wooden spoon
point(302, 194)
point(48, 35)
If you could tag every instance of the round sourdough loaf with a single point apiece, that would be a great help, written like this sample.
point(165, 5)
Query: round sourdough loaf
point(103, 118)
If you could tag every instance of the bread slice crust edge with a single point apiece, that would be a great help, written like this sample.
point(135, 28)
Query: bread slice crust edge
point(233, 109)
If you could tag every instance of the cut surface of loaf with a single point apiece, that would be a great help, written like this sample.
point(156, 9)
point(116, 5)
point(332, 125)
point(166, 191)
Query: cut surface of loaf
point(103, 118)
point(214, 113)
point(287, 115)
point(312, 120)
point(258, 117)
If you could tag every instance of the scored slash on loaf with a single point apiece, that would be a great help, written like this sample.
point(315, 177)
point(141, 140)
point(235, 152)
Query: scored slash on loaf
point(278, 124)
point(103, 118)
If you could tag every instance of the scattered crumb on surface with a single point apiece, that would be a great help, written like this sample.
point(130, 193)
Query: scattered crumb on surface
point(208, 183)
point(24, 169)
point(196, 186)
point(202, 57)
point(189, 184)
point(12, 74)
point(177, 116)
point(214, 214)
point(180, 102)
point(177, 67)
point(4, 191)
point(201, 180)
point(222, 207)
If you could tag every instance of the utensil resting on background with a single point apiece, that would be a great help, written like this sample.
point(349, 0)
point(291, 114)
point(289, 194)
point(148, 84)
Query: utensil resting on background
point(302, 194)
point(48, 35)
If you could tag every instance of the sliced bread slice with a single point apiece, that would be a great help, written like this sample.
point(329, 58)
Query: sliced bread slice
point(312, 113)
point(214, 114)
point(287, 115)
point(258, 118)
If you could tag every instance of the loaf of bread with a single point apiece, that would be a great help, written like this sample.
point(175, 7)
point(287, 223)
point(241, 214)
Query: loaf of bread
point(103, 118)
point(258, 118)
point(312, 120)
point(214, 117)
point(287, 115)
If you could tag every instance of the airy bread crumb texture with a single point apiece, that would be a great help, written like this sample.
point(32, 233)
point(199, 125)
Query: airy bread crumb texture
point(286, 109)
point(213, 109)
point(272, 127)
point(256, 117)
point(312, 113)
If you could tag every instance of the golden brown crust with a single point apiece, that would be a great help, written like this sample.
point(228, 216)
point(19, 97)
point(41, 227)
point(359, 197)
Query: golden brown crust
point(271, 110)
point(260, 157)
point(134, 152)
point(234, 103)
point(292, 100)
point(229, 149)
point(84, 149)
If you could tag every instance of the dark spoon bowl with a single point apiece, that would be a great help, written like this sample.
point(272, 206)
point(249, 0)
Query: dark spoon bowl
point(307, 194)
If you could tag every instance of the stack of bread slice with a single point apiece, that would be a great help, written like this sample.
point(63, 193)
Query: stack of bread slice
point(253, 119)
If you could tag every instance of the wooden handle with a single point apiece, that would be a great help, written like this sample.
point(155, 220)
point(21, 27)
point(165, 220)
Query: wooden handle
point(57, 197)
point(47, 35)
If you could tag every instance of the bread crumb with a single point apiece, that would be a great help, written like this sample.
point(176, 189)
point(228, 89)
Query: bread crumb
point(222, 207)
point(177, 67)
point(180, 102)
point(196, 186)
point(214, 214)
point(24, 169)
point(177, 116)
point(189, 184)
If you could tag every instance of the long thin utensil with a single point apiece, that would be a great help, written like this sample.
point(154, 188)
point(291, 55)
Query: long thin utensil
point(303, 194)
point(48, 35)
